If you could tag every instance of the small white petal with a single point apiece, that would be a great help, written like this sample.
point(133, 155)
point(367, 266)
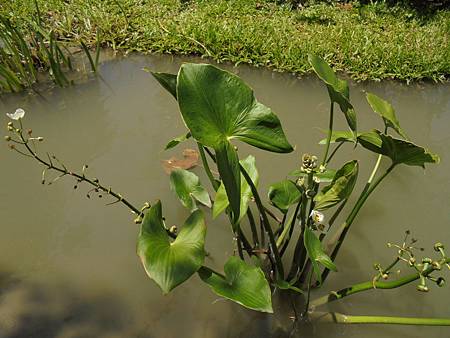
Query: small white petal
point(317, 216)
point(18, 114)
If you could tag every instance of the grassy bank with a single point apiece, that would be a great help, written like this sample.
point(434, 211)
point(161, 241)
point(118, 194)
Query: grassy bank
point(369, 42)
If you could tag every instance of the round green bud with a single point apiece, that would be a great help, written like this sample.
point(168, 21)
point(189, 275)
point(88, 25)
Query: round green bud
point(436, 265)
point(422, 288)
point(438, 246)
point(427, 260)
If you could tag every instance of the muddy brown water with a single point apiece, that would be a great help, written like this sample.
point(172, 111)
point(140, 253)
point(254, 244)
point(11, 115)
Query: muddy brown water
point(68, 266)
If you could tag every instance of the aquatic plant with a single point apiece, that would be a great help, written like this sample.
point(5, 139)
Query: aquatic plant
point(219, 110)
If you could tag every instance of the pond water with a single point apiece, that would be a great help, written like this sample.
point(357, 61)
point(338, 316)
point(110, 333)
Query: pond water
point(68, 266)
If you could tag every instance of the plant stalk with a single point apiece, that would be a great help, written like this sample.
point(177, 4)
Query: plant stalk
point(265, 222)
point(339, 318)
point(369, 285)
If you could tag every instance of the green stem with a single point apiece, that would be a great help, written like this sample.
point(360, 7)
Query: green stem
point(375, 169)
point(213, 181)
point(369, 285)
point(334, 152)
point(339, 318)
point(289, 230)
point(251, 220)
point(330, 132)
point(308, 297)
point(266, 224)
point(81, 177)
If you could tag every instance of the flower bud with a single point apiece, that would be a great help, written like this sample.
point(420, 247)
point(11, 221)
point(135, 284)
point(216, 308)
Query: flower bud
point(438, 247)
point(40, 139)
point(173, 229)
point(440, 282)
point(7, 138)
point(10, 128)
point(309, 162)
point(422, 288)
point(436, 265)
point(427, 260)
point(10, 124)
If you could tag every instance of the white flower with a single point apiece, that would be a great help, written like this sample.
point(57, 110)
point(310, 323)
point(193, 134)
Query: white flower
point(317, 216)
point(18, 114)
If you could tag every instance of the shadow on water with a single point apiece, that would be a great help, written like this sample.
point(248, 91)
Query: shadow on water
point(36, 311)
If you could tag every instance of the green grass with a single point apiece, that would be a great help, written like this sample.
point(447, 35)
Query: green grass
point(367, 42)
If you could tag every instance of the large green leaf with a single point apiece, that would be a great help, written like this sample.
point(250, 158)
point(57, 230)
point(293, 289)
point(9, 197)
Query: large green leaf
point(284, 194)
point(316, 254)
point(188, 188)
point(340, 187)
point(399, 151)
point(242, 283)
point(221, 200)
point(217, 107)
point(171, 263)
point(387, 112)
point(168, 81)
point(337, 89)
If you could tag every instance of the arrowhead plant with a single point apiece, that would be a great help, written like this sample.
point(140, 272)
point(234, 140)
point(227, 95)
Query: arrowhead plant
point(287, 242)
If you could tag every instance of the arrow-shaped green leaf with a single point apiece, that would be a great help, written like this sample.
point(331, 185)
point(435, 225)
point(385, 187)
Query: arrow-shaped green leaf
point(171, 263)
point(387, 112)
point(316, 254)
point(242, 283)
point(340, 187)
point(218, 106)
point(337, 89)
point(188, 188)
point(399, 151)
point(284, 194)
